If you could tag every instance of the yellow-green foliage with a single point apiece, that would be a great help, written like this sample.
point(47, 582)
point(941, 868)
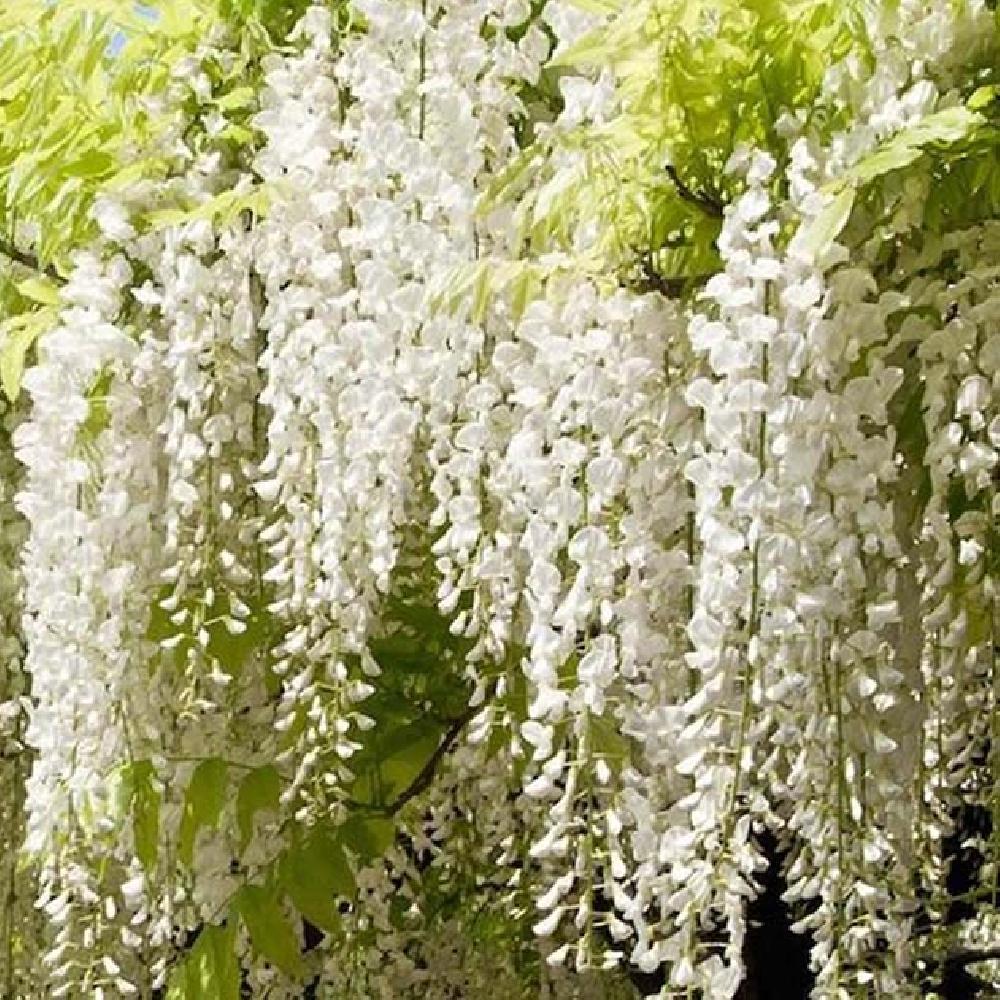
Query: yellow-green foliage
point(693, 81)
point(85, 106)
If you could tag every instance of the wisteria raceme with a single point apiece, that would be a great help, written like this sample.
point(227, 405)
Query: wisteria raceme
point(389, 148)
point(500, 499)
point(14, 691)
point(78, 622)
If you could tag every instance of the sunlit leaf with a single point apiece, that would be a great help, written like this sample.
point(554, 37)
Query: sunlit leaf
point(204, 800)
point(818, 236)
point(17, 336)
point(258, 792)
point(210, 970)
point(140, 800)
point(270, 930)
point(315, 872)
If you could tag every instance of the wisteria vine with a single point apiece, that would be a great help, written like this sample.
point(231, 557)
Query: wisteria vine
point(469, 514)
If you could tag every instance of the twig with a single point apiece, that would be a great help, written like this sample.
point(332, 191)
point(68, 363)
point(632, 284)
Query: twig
point(653, 281)
point(28, 260)
point(702, 201)
point(419, 784)
point(425, 778)
point(970, 956)
point(671, 288)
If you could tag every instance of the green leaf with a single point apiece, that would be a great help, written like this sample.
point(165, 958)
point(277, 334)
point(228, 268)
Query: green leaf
point(314, 873)
point(983, 97)
point(480, 296)
point(239, 135)
point(425, 619)
point(818, 236)
point(149, 166)
point(139, 799)
point(223, 208)
point(948, 126)
point(608, 740)
point(233, 649)
point(270, 931)
point(18, 336)
point(942, 128)
point(596, 6)
point(258, 791)
point(403, 752)
point(980, 623)
point(95, 163)
point(211, 969)
point(907, 415)
point(368, 836)
point(146, 818)
point(595, 48)
point(40, 290)
point(240, 97)
point(894, 156)
point(524, 288)
point(507, 179)
point(203, 803)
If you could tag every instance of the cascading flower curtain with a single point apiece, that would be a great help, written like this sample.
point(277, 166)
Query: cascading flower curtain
point(499, 498)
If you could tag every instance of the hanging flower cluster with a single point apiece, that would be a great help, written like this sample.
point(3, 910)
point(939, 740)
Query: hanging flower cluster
point(15, 762)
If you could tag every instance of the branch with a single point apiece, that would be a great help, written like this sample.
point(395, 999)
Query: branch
point(28, 260)
point(970, 956)
point(669, 287)
point(425, 778)
point(653, 281)
point(420, 784)
point(956, 979)
point(703, 202)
